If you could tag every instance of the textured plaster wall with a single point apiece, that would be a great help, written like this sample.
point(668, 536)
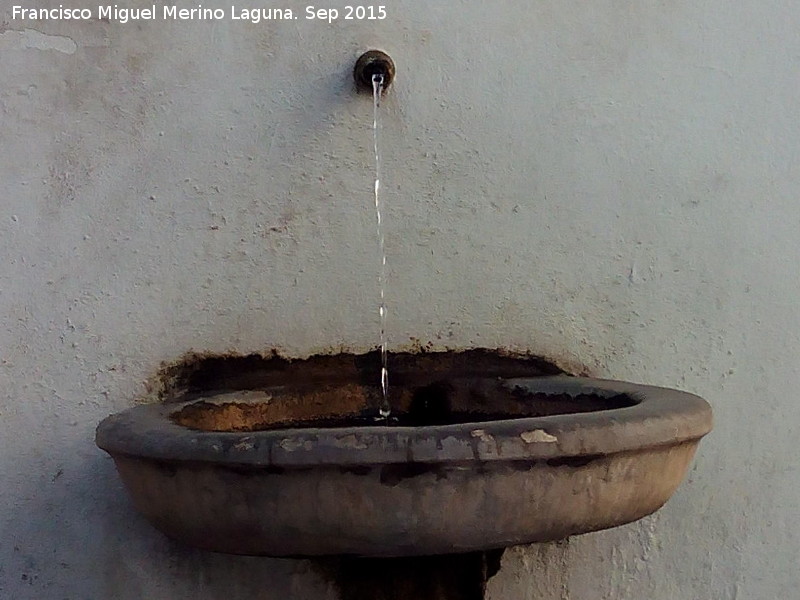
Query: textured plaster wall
point(609, 183)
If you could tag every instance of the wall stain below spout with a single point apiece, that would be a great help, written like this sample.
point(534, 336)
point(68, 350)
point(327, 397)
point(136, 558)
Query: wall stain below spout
point(198, 372)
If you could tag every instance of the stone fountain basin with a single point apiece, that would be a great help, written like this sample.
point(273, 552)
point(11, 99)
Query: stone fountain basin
point(474, 462)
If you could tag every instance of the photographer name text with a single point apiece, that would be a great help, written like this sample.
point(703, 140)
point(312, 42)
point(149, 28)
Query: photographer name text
point(118, 14)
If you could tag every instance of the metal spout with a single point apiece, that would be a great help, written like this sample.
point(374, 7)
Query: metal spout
point(373, 62)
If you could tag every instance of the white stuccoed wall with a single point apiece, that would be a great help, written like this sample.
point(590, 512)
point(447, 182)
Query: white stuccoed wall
point(607, 183)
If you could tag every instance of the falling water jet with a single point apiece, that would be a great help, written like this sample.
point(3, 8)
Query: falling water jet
point(385, 408)
point(374, 71)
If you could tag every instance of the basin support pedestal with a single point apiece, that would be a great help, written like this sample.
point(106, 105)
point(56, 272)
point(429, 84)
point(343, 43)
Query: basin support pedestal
point(444, 577)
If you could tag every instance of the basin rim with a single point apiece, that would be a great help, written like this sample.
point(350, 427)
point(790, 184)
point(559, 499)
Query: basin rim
point(661, 417)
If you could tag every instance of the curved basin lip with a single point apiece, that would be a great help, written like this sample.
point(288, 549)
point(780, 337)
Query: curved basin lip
point(663, 416)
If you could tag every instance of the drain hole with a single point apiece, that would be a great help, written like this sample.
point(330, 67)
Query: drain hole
point(430, 405)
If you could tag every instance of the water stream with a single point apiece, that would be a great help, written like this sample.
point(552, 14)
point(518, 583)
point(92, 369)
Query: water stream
point(384, 408)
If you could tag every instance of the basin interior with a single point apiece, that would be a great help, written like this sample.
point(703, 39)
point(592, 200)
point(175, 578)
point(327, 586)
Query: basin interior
point(431, 389)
